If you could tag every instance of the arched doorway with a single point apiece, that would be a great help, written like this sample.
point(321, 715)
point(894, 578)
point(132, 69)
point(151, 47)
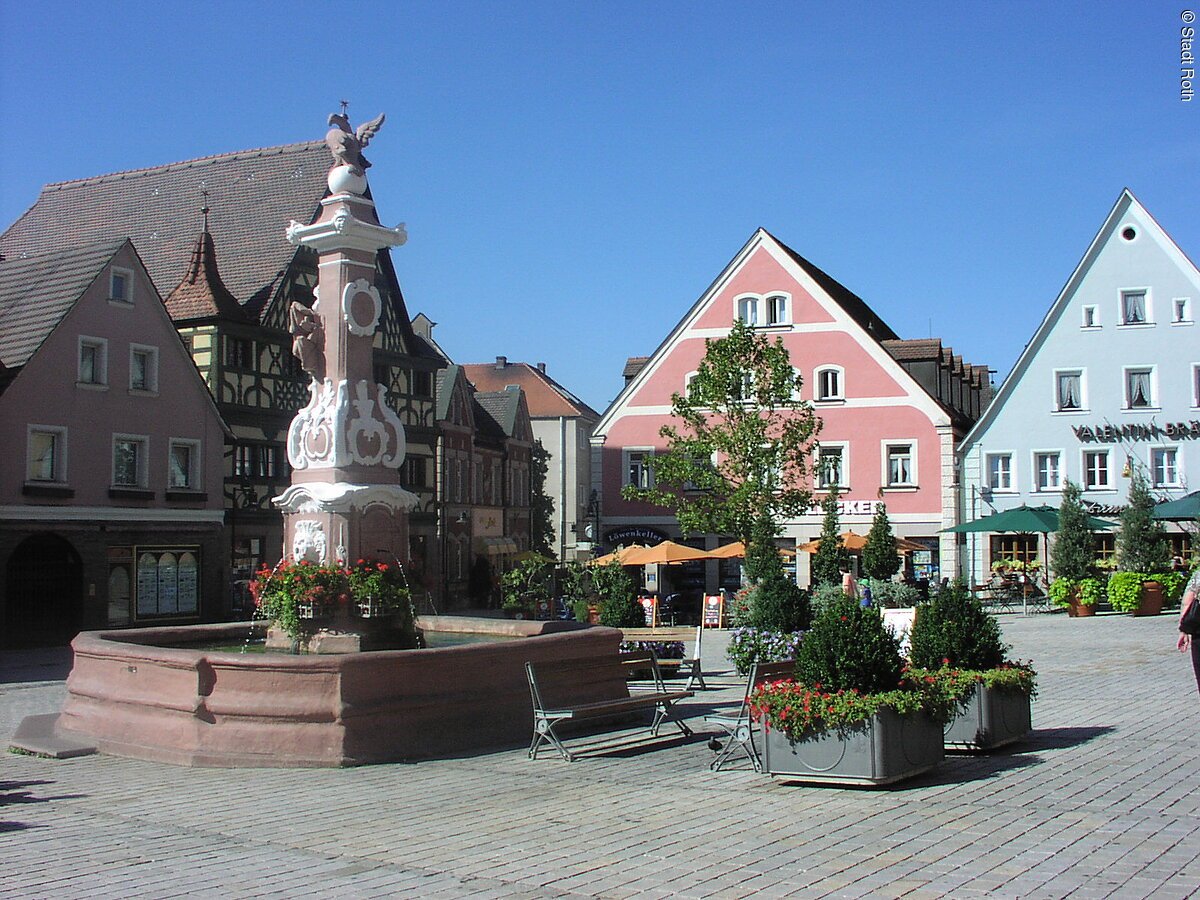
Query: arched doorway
point(43, 591)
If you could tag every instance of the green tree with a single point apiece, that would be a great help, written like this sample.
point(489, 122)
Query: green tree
point(1142, 545)
point(777, 603)
point(827, 561)
point(740, 443)
point(879, 557)
point(1074, 552)
point(541, 504)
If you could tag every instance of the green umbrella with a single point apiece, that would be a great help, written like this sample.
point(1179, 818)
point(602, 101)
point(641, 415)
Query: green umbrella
point(1185, 508)
point(1025, 520)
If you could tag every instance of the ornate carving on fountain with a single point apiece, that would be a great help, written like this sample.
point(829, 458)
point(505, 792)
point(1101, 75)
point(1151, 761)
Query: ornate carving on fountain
point(334, 430)
point(308, 541)
point(353, 291)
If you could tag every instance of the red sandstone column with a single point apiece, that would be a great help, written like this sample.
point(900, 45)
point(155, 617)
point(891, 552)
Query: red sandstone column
point(346, 446)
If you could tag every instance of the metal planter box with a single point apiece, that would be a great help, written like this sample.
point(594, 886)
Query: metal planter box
point(884, 749)
point(992, 719)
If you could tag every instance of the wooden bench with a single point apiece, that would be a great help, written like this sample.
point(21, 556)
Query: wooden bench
point(690, 664)
point(594, 688)
point(739, 728)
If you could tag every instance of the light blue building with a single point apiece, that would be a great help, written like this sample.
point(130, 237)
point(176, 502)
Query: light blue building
point(1109, 384)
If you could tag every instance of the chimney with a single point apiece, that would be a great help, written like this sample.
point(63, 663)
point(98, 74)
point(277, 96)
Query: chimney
point(501, 362)
point(542, 368)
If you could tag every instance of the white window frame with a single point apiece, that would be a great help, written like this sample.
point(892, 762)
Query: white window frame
point(58, 473)
point(1177, 464)
point(1146, 302)
point(627, 455)
point(143, 474)
point(151, 353)
point(1181, 311)
point(1196, 385)
point(1012, 471)
point(1095, 316)
point(885, 448)
point(194, 469)
point(1085, 469)
point(1127, 399)
point(769, 308)
point(843, 481)
point(818, 390)
point(1061, 471)
point(100, 345)
point(127, 274)
point(745, 307)
point(1080, 374)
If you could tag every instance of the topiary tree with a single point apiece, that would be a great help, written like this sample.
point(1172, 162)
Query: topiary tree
point(762, 556)
point(849, 648)
point(1074, 551)
point(827, 561)
point(778, 604)
point(879, 557)
point(1142, 544)
point(954, 626)
point(617, 595)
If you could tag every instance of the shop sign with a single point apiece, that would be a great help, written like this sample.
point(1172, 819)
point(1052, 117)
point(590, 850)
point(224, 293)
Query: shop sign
point(635, 534)
point(1108, 433)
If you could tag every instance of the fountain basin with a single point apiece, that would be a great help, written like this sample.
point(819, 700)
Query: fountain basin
point(133, 696)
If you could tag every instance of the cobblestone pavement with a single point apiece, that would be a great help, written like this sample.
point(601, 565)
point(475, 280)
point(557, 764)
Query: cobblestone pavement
point(1102, 801)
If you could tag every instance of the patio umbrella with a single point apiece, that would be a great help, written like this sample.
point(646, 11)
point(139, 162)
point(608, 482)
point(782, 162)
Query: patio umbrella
point(1025, 520)
point(855, 542)
point(737, 550)
point(619, 554)
point(666, 552)
point(1184, 509)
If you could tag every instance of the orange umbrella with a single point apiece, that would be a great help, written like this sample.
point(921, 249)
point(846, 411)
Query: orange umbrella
point(737, 550)
point(666, 552)
point(619, 554)
point(854, 542)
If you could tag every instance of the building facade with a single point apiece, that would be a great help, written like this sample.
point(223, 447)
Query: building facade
point(892, 410)
point(229, 279)
point(563, 424)
point(111, 505)
point(1109, 384)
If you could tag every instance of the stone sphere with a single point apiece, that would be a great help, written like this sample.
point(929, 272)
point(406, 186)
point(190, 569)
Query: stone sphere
point(343, 179)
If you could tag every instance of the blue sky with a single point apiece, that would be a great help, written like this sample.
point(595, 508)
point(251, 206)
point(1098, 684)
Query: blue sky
point(574, 175)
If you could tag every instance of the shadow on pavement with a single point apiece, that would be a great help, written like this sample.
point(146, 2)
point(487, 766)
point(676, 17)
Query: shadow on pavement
point(41, 664)
point(1060, 738)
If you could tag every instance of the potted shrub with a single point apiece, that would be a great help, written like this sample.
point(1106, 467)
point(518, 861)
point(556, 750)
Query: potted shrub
point(1136, 593)
point(1078, 596)
point(954, 637)
point(851, 715)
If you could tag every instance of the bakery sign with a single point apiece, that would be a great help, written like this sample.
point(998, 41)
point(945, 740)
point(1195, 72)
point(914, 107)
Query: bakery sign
point(1112, 434)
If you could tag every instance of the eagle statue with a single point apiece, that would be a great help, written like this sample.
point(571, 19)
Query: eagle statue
point(346, 145)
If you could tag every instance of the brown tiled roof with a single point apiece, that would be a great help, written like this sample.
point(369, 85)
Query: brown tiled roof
point(633, 365)
point(37, 291)
point(917, 348)
point(202, 294)
point(253, 194)
point(546, 398)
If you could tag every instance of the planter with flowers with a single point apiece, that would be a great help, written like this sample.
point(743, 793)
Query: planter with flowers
point(954, 639)
point(852, 715)
point(335, 608)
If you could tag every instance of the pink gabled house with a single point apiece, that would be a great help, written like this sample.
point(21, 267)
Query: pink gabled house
point(111, 505)
point(893, 410)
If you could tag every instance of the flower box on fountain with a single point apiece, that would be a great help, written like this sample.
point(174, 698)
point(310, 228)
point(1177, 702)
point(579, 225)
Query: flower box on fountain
point(334, 607)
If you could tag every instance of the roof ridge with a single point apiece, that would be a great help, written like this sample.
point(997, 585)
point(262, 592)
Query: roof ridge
point(277, 150)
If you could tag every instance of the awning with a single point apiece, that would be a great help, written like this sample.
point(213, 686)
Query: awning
point(498, 546)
